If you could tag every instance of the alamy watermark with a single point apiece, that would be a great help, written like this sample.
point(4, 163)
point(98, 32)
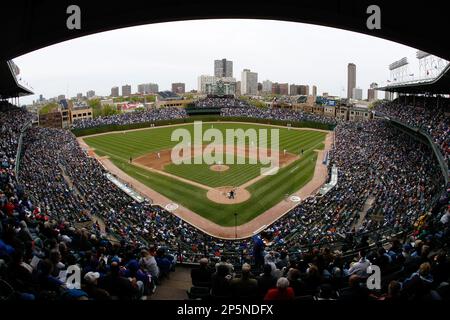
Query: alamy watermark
point(374, 279)
point(73, 21)
point(71, 277)
point(374, 20)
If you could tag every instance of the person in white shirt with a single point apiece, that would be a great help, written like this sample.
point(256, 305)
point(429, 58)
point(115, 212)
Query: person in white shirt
point(148, 264)
point(359, 268)
point(445, 217)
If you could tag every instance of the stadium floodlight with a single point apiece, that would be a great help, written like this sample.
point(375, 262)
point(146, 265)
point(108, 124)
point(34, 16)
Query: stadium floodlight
point(399, 63)
point(422, 54)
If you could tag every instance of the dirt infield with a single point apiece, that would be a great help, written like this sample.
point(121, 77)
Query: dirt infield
point(221, 195)
point(155, 160)
point(219, 168)
point(243, 231)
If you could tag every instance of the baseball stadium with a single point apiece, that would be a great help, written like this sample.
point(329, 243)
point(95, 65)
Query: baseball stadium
point(220, 197)
point(202, 189)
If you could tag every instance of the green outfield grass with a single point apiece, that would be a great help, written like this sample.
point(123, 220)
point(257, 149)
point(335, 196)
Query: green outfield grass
point(236, 175)
point(265, 193)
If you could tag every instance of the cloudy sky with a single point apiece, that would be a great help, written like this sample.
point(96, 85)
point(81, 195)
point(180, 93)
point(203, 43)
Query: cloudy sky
point(181, 51)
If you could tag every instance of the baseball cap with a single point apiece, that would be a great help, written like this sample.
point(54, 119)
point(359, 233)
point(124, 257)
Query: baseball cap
point(91, 276)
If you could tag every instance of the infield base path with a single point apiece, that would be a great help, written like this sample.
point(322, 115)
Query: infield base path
point(243, 231)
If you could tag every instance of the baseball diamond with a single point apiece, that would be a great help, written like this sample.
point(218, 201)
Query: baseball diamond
point(199, 188)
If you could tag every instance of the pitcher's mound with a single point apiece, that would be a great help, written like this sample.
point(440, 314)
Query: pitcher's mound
point(222, 195)
point(219, 167)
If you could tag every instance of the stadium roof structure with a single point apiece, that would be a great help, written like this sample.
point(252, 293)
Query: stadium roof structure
point(438, 85)
point(9, 87)
point(28, 25)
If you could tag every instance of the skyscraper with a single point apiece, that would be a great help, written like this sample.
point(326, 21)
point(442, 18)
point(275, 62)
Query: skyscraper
point(303, 90)
point(146, 88)
point(126, 90)
point(314, 91)
point(90, 94)
point(275, 88)
point(284, 89)
point(294, 90)
point(372, 94)
point(357, 94)
point(178, 88)
point(249, 82)
point(203, 80)
point(267, 86)
point(114, 91)
point(351, 79)
point(223, 68)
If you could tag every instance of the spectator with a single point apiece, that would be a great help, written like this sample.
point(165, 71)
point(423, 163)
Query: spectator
point(359, 268)
point(92, 289)
point(221, 287)
point(121, 287)
point(419, 284)
point(266, 280)
point(281, 292)
point(201, 276)
point(245, 287)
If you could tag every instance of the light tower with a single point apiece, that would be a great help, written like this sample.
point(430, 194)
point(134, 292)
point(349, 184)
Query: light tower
point(430, 66)
point(399, 70)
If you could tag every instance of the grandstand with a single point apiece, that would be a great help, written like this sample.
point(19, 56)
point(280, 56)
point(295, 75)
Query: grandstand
point(346, 221)
point(385, 203)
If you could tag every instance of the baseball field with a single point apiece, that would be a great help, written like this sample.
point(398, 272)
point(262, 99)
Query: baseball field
point(204, 188)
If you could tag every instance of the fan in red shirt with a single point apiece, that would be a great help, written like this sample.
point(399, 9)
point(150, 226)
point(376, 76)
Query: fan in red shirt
point(281, 292)
point(9, 207)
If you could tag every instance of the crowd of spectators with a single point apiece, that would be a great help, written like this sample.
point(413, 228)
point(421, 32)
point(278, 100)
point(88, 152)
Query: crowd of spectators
point(151, 115)
point(414, 268)
point(66, 212)
point(275, 114)
point(42, 217)
point(384, 167)
point(432, 115)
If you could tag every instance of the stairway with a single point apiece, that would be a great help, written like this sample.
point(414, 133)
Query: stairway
point(175, 287)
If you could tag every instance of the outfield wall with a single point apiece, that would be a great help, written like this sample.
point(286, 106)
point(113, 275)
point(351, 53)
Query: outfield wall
point(111, 128)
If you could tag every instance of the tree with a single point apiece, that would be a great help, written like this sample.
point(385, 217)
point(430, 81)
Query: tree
point(49, 107)
point(96, 107)
point(109, 110)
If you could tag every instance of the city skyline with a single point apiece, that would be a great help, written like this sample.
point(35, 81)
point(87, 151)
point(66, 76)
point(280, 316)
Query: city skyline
point(98, 62)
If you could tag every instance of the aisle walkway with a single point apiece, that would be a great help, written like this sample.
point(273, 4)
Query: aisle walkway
point(175, 287)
